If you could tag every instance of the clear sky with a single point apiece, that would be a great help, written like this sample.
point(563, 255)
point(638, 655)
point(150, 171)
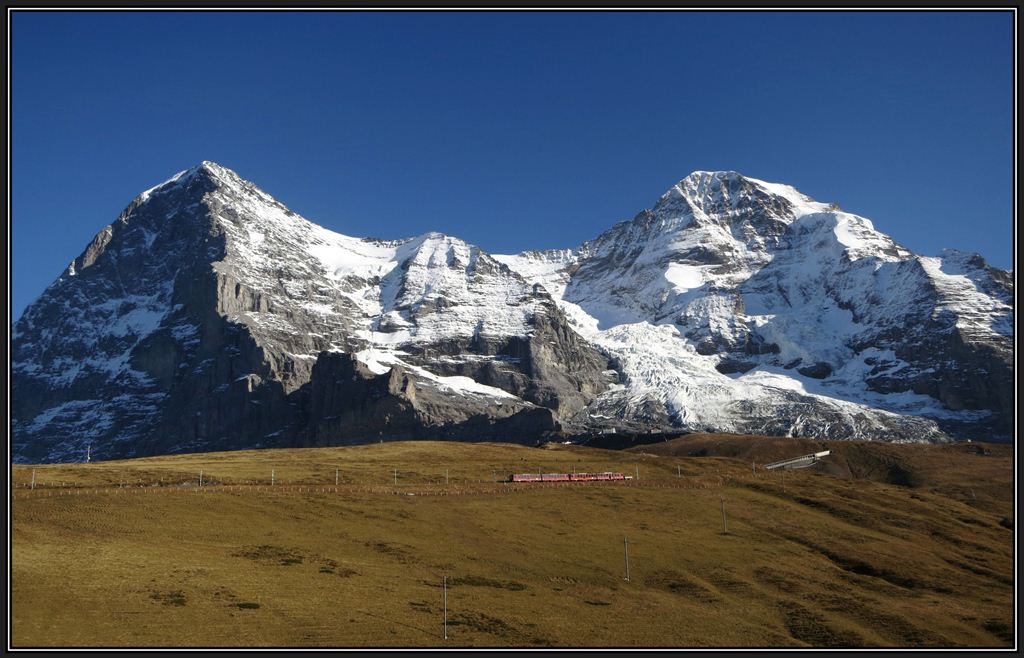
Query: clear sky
point(510, 130)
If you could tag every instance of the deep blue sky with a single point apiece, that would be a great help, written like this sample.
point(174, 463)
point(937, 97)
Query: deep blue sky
point(511, 130)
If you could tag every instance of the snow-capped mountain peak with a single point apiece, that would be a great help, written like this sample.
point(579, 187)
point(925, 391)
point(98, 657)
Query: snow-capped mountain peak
point(210, 316)
point(724, 195)
point(741, 277)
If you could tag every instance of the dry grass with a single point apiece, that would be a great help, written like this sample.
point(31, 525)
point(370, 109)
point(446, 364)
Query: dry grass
point(815, 560)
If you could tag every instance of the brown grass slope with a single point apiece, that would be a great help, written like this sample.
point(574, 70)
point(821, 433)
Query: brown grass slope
point(809, 559)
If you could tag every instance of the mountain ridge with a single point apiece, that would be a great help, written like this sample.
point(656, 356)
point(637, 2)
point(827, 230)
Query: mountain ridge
point(732, 304)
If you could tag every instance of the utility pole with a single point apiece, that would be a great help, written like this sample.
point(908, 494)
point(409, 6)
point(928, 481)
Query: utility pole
point(272, 478)
point(33, 478)
point(396, 477)
point(445, 586)
point(725, 522)
point(625, 546)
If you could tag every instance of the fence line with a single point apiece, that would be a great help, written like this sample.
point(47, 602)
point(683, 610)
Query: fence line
point(708, 481)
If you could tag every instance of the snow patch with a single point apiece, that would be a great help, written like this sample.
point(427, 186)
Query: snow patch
point(380, 362)
point(684, 277)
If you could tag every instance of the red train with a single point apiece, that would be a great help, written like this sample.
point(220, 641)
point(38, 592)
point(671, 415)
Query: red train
point(567, 477)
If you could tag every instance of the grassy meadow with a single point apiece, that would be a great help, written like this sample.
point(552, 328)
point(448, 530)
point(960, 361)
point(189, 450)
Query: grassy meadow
point(879, 546)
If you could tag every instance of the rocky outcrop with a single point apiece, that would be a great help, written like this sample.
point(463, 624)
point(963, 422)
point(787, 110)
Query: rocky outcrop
point(349, 403)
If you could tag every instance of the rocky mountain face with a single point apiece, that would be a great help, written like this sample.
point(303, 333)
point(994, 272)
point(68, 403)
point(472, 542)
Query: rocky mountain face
point(208, 316)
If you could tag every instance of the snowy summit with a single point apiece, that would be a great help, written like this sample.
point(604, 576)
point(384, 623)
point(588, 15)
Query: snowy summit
point(208, 316)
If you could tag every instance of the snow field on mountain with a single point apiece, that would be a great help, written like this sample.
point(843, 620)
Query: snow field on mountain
point(732, 304)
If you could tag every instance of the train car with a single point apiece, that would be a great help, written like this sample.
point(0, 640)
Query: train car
point(605, 476)
point(567, 477)
point(593, 477)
